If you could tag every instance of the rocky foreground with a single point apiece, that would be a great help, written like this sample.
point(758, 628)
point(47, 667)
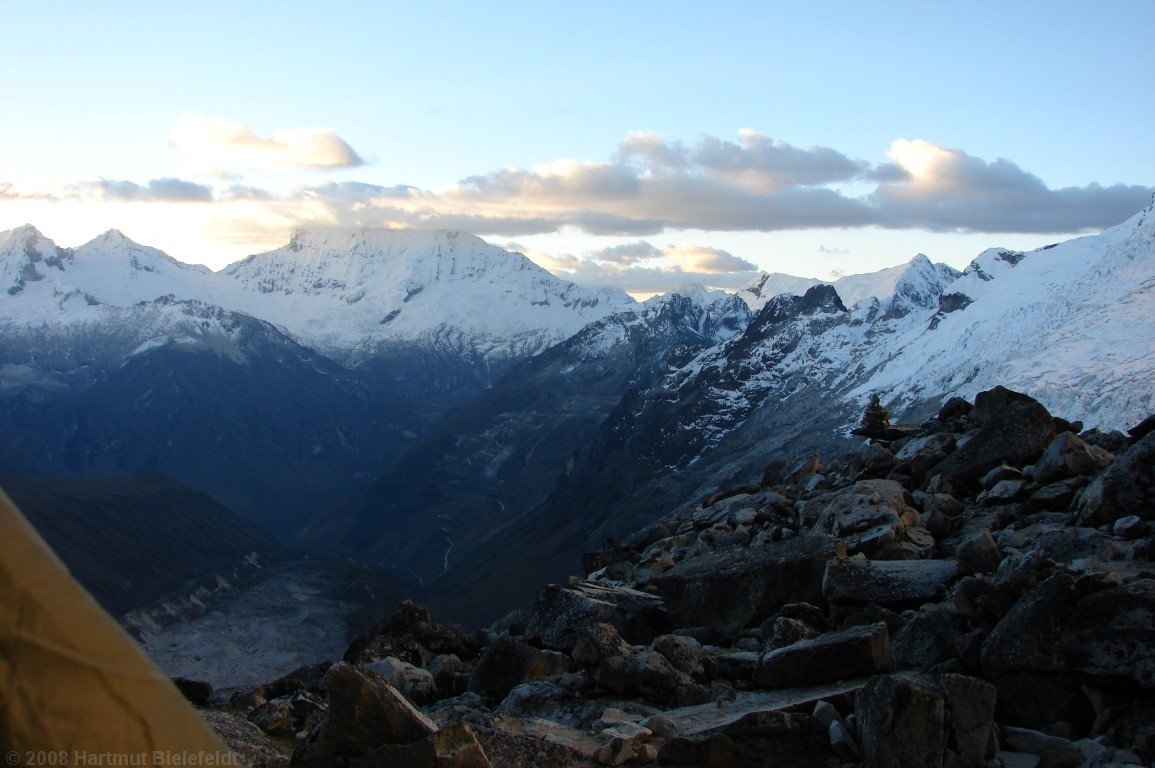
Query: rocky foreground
point(979, 591)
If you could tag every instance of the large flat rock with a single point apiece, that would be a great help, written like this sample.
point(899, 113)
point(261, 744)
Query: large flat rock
point(851, 580)
point(728, 589)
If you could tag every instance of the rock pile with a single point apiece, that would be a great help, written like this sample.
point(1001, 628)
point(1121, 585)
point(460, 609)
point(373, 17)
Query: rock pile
point(976, 592)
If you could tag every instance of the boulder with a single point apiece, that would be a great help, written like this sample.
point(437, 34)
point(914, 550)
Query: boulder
point(509, 662)
point(274, 717)
point(854, 652)
point(365, 713)
point(416, 683)
point(970, 719)
point(596, 643)
point(452, 747)
point(683, 653)
point(1015, 430)
point(978, 553)
point(876, 517)
point(450, 674)
point(649, 675)
point(1127, 487)
point(1052, 751)
point(932, 636)
point(1111, 634)
point(411, 636)
point(562, 611)
point(851, 580)
point(731, 588)
point(1027, 636)
point(900, 722)
point(1066, 456)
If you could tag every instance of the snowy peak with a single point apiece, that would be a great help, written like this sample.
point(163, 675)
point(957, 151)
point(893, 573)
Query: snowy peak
point(918, 282)
point(26, 256)
point(767, 285)
point(355, 289)
point(347, 260)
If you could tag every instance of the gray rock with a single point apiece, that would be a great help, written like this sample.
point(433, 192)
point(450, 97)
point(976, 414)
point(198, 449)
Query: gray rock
point(1026, 638)
point(1127, 487)
point(851, 580)
point(1004, 492)
point(853, 652)
point(416, 683)
point(1016, 429)
point(1111, 634)
point(1008, 759)
point(786, 631)
point(649, 675)
point(978, 552)
point(275, 717)
point(683, 653)
point(1066, 456)
point(731, 588)
point(1052, 751)
point(932, 636)
point(450, 674)
point(969, 726)
point(1129, 527)
point(842, 742)
point(900, 722)
point(660, 726)
point(562, 611)
point(998, 475)
point(875, 517)
point(596, 643)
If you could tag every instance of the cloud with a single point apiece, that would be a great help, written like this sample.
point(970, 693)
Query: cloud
point(219, 142)
point(710, 261)
point(949, 190)
point(629, 253)
point(643, 268)
point(166, 190)
point(833, 251)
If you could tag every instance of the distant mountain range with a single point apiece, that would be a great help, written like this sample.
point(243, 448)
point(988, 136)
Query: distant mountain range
point(277, 385)
point(429, 403)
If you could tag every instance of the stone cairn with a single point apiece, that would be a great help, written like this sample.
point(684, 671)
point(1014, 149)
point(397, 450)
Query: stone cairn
point(875, 418)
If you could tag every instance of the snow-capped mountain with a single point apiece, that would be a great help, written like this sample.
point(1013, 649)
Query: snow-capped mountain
point(349, 291)
point(341, 292)
point(851, 288)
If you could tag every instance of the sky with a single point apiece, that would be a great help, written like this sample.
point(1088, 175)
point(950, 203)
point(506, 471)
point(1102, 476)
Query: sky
point(643, 145)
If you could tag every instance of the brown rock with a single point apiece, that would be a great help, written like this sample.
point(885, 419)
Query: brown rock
point(452, 747)
point(365, 713)
point(510, 662)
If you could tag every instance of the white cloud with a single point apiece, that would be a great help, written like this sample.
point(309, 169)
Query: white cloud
point(223, 144)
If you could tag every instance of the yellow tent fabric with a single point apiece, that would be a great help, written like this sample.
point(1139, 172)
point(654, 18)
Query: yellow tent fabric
point(75, 689)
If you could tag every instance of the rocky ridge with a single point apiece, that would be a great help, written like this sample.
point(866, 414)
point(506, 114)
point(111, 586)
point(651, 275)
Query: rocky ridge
point(977, 592)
